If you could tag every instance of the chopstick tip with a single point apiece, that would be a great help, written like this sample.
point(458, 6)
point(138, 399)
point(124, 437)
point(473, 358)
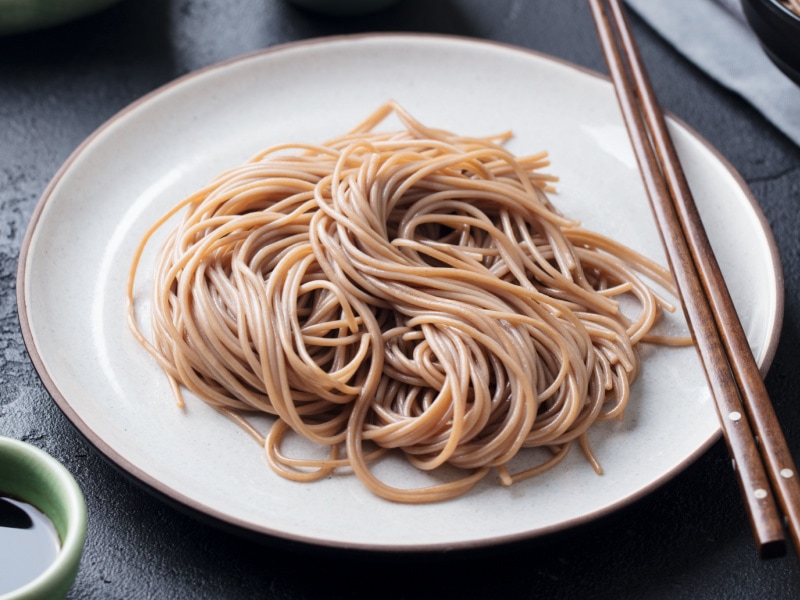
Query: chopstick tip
point(772, 549)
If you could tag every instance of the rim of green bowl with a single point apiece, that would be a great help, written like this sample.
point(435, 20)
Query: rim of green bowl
point(22, 16)
point(34, 476)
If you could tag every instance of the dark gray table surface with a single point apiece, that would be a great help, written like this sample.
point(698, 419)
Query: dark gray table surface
point(688, 539)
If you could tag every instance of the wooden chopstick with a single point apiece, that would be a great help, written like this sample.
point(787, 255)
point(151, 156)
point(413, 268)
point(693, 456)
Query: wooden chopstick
point(764, 466)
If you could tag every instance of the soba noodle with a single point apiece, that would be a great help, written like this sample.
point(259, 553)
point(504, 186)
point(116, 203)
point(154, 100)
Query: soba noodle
point(407, 291)
point(793, 5)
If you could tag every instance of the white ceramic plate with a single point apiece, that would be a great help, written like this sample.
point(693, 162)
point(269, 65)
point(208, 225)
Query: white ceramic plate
point(75, 260)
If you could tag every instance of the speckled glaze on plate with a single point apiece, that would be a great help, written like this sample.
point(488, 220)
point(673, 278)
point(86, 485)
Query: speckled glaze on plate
point(74, 264)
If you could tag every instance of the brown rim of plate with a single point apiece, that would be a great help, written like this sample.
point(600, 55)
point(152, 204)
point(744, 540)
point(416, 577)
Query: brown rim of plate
point(218, 518)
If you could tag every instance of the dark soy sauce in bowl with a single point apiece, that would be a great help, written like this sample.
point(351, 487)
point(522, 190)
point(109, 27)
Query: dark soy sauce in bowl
point(29, 543)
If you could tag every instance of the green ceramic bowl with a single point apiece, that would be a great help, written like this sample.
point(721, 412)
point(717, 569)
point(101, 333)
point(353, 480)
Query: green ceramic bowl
point(30, 474)
point(17, 16)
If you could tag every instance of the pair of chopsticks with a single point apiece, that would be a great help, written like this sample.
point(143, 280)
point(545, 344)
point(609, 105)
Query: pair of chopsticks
point(768, 480)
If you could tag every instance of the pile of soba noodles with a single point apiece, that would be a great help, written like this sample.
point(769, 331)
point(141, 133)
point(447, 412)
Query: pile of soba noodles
point(408, 291)
point(793, 5)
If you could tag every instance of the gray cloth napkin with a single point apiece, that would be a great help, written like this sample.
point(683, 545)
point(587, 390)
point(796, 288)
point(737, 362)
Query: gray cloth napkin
point(714, 35)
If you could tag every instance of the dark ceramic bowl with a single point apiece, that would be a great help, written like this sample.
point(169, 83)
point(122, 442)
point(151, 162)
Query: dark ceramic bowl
point(343, 8)
point(778, 30)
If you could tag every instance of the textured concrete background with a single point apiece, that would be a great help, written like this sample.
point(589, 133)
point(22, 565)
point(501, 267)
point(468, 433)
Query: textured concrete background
point(689, 539)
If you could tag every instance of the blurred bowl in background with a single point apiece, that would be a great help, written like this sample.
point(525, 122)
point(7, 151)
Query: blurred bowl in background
point(31, 480)
point(18, 16)
point(778, 30)
point(343, 8)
